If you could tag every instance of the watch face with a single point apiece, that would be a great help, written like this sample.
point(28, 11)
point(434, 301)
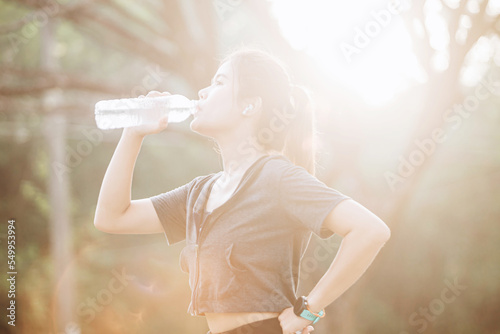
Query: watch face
point(300, 305)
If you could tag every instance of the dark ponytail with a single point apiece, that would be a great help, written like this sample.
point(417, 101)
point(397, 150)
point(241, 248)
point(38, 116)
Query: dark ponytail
point(260, 74)
point(300, 143)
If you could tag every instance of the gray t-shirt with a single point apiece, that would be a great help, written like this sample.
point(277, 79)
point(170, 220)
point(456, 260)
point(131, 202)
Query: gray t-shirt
point(245, 255)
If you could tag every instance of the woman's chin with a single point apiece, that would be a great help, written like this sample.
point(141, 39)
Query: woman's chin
point(198, 127)
point(194, 125)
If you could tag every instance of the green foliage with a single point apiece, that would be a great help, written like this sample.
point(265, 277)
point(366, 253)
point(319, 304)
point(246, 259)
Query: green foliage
point(449, 230)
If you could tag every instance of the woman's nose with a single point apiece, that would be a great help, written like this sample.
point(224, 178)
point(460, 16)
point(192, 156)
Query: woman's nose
point(203, 93)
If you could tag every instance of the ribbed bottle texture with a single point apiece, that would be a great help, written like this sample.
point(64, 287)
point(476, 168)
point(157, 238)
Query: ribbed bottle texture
point(123, 113)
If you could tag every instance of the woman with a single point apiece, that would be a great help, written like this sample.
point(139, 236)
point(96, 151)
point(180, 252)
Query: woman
point(247, 227)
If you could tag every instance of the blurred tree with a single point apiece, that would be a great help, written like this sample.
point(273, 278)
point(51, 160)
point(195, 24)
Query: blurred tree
point(461, 25)
point(90, 36)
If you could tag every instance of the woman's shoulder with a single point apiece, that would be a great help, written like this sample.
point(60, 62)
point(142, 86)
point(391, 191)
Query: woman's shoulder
point(280, 165)
point(278, 170)
point(203, 179)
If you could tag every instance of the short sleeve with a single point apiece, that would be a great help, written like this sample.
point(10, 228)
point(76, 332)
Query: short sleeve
point(307, 200)
point(171, 210)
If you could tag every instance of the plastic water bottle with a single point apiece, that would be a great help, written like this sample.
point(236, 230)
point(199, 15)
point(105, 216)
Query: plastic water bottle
point(123, 113)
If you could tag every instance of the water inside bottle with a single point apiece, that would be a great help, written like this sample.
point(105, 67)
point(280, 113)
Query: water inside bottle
point(176, 115)
point(115, 119)
point(123, 113)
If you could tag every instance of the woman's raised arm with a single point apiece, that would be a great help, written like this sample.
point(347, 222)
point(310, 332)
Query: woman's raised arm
point(116, 212)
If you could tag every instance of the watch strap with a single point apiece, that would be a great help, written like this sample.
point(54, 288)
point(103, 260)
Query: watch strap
point(306, 314)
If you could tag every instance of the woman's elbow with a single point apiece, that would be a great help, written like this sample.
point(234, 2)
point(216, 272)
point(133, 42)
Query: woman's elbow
point(381, 233)
point(98, 224)
point(101, 222)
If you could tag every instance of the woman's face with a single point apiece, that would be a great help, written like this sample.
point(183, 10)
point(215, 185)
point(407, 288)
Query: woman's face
point(217, 110)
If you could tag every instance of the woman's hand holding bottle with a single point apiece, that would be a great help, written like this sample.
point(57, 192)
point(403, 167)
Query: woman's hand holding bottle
point(149, 129)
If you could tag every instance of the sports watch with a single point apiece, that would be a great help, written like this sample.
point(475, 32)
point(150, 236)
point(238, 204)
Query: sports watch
point(301, 309)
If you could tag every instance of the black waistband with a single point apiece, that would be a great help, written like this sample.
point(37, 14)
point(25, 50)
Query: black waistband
point(267, 326)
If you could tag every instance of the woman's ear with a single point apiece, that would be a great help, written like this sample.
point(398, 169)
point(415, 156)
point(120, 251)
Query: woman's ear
point(252, 106)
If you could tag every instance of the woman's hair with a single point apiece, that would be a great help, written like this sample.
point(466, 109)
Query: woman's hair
point(286, 124)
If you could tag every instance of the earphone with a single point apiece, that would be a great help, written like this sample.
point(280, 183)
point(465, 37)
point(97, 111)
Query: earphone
point(247, 109)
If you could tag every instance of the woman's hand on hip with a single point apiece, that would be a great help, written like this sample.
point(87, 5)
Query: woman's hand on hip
point(291, 323)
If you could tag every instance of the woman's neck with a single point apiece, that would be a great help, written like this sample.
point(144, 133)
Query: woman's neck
point(238, 156)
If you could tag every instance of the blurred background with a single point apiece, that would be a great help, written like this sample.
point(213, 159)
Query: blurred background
point(408, 114)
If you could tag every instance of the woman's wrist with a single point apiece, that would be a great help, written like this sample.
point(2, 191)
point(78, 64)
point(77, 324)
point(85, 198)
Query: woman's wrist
point(132, 134)
point(313, 304)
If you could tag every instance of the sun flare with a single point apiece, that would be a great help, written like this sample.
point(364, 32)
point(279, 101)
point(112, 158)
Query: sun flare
point(364, 47)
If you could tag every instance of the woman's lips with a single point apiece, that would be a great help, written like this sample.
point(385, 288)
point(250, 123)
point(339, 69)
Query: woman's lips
point(197, 108)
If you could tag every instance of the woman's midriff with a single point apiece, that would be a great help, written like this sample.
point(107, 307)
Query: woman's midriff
point(221, 322)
